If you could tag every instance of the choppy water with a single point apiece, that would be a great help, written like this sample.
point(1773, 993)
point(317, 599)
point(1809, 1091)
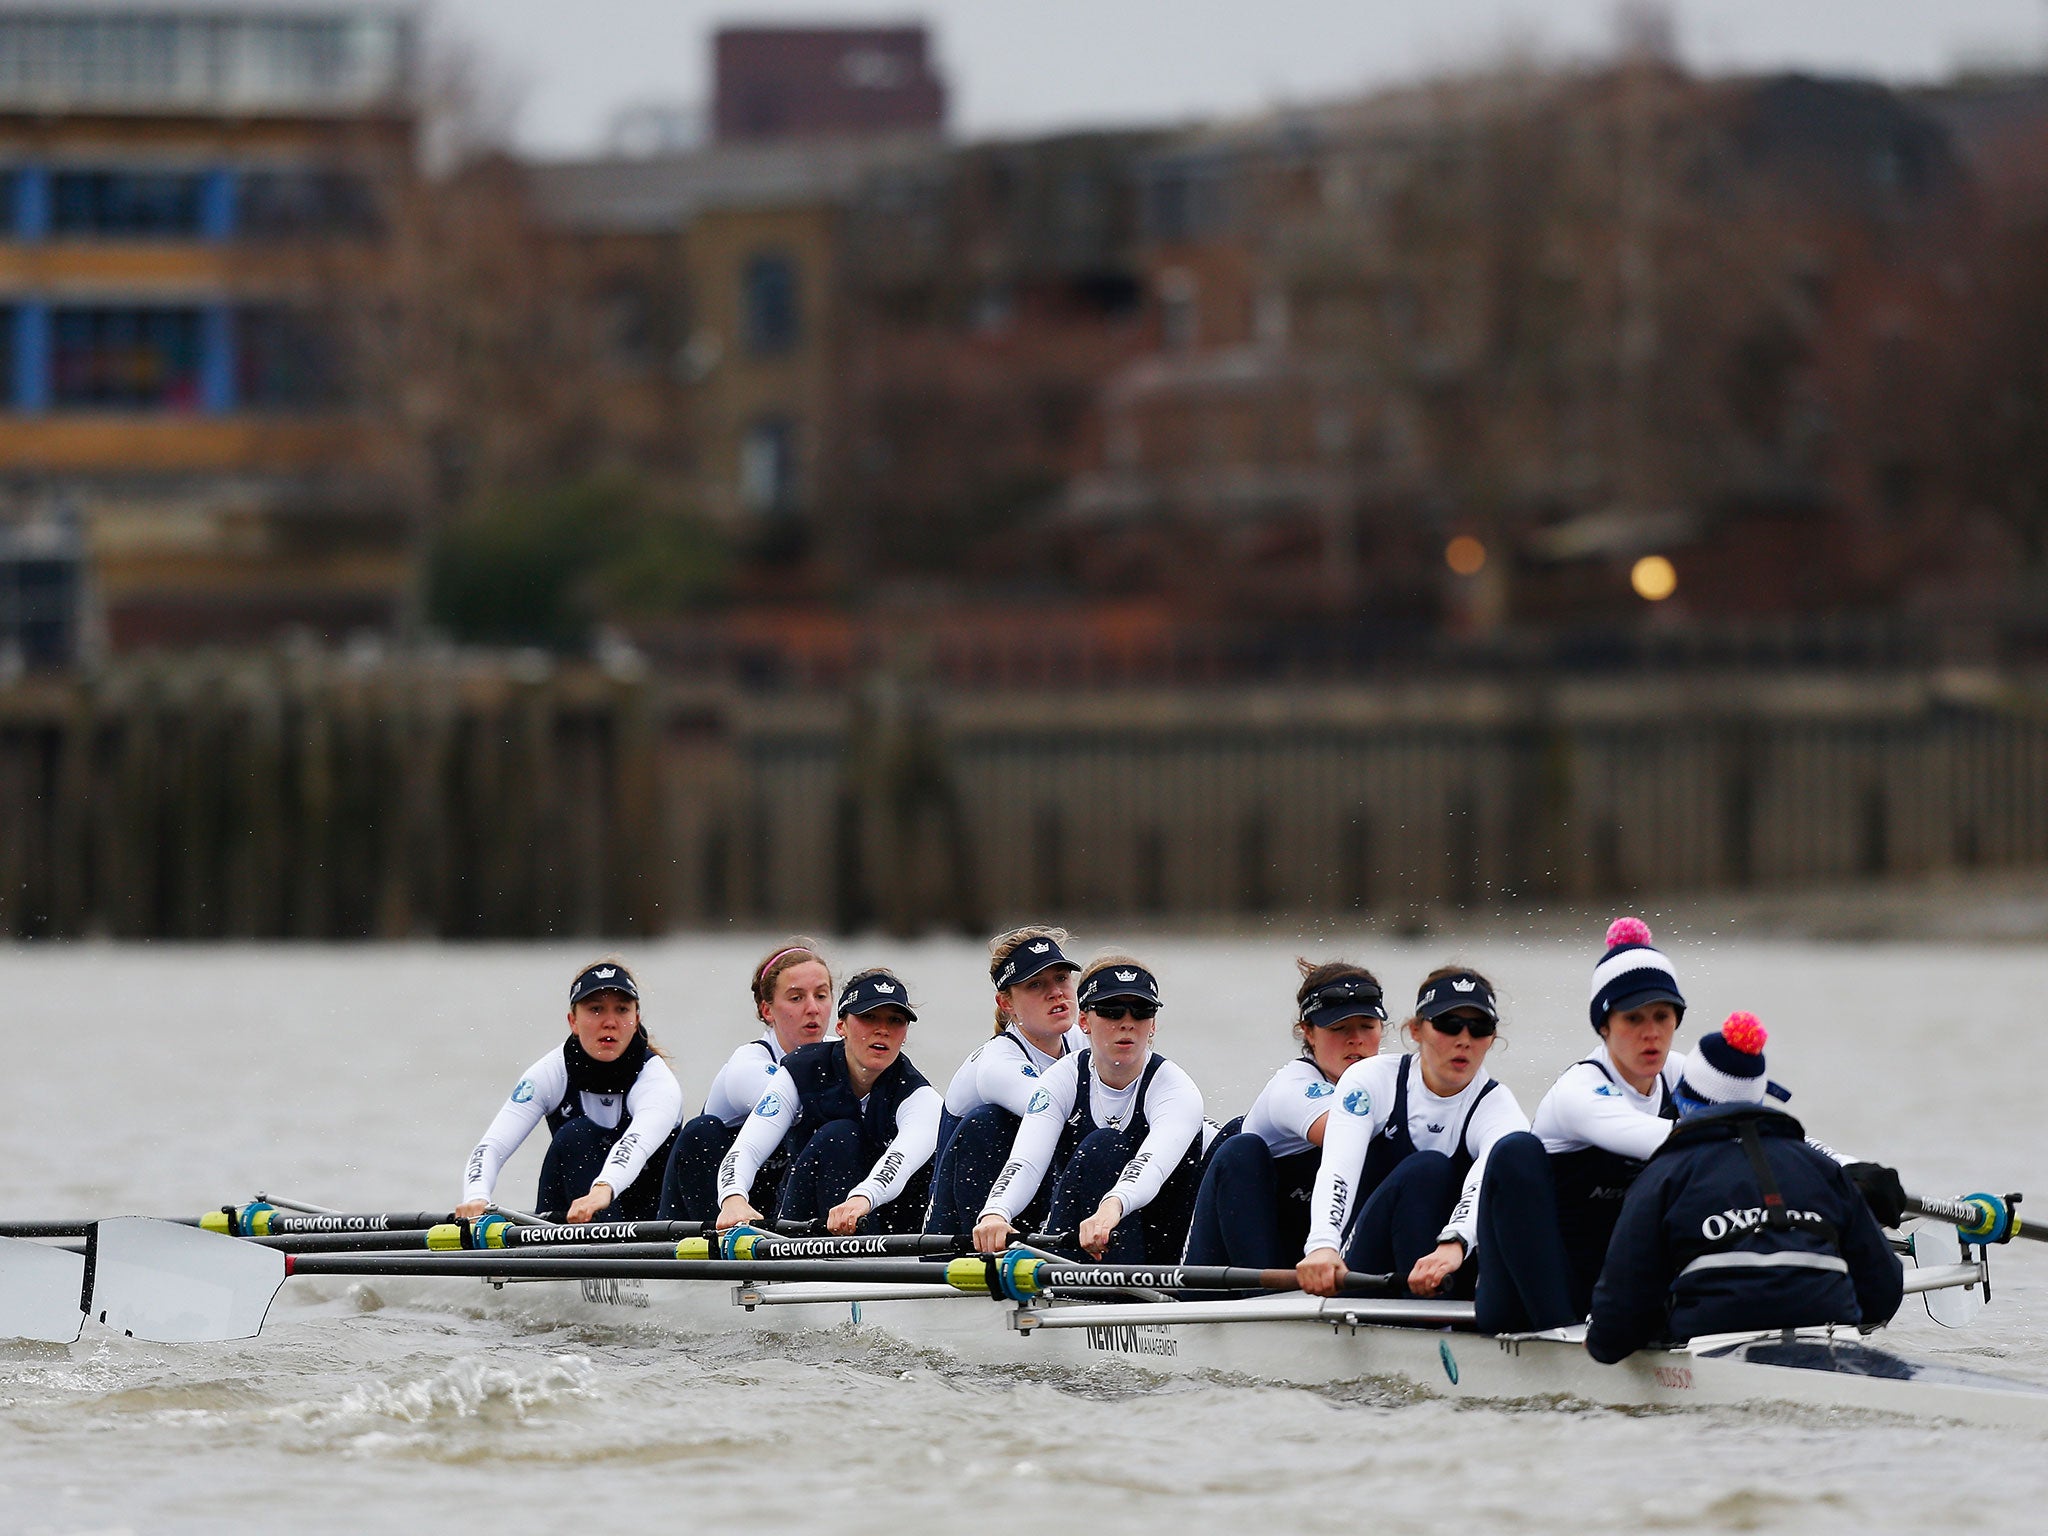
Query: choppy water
point(166, 1080)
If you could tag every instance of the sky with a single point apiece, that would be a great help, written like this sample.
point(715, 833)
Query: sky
point(1028, 66)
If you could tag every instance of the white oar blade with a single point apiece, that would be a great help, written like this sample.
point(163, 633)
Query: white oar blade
point(39, 1292)
point(1935, 1244)
point(172, 1284)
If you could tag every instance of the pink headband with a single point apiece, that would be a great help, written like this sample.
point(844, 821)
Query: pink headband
point(769, 964)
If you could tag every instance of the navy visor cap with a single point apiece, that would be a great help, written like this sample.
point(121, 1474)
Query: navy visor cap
point(1119, 981)
point(1028, 960)
point(1350, 997)
point(602, 978)
point(1460, 989)
point(881, 989)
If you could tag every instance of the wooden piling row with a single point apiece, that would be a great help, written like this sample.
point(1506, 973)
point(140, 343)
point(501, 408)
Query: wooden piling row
point(327, 798)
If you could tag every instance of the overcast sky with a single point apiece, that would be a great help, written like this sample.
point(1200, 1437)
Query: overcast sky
point(1022, 66)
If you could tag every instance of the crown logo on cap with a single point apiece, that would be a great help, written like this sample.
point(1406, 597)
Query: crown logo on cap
point(1039, 949)
point(1126, 975)
point(607, 972)
point(1464, 986)
point(883, 986)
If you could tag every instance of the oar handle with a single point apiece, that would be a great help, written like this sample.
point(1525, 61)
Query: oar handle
point(1979, 1218)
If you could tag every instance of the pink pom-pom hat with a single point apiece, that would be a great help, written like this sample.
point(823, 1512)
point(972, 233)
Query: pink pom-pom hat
point(1632, 973)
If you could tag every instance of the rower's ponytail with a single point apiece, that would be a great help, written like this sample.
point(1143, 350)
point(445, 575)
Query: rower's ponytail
point(1003, 945)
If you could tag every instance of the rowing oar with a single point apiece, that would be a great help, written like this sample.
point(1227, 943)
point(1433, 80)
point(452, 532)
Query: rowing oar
point(490, 1232)
point(257, 1219)
point(171, 1284)
point(1978, 1218)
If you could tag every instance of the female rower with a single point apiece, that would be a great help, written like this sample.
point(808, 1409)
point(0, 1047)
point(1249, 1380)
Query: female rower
point(1551, 1196)
point(1115, 1128)
point(792, 990)
point(1408, 1148)
point(861, 1122)
point(1253, 1206)
point(610, 1101)
point(1036, 1024)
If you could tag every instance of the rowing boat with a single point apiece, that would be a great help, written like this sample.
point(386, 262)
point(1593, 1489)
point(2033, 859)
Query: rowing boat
point(1425, 1347)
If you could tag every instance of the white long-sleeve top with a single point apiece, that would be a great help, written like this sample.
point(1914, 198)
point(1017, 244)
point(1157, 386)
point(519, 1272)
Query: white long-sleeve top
point(743, 1079)
point(652, 1108)
point(1005, 1070)
point(1287, 1108)
point(1364, 1100)
point(917, 1134)
point(1173, 1119)
point(1587, 1107)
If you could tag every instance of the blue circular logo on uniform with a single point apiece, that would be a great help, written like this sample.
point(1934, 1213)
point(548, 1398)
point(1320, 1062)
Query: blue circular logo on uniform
point(523, 1092)
point(769, 1107)
point(1040, 1100)
point(1358, 1102)
point(1318, 1090)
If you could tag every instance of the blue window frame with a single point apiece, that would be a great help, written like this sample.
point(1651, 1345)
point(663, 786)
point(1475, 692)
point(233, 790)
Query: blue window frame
point(771, 309)
point(129, 204)
point(128, 358)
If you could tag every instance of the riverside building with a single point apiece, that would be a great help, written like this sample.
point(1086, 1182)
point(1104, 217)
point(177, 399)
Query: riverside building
point(197, 215)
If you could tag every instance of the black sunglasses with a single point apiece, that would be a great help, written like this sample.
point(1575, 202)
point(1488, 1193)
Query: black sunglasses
point(1458, 1024)
point(1115, 1012)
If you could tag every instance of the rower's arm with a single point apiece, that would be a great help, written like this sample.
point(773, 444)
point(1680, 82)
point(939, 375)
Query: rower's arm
point(1173, 1113)
point(1583, 1109)
point(739, 1084)
point(544, 1086)
point(654, 1108)
point(1347, 1133)
point(917, 1133)
point(759, 1137)
point(1038, 1134)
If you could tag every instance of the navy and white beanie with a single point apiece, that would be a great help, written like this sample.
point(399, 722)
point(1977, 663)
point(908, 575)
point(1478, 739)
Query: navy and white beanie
point(1728, 1067)
point(1632, 973)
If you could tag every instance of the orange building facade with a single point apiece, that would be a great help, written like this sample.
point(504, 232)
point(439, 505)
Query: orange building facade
point(196, 216)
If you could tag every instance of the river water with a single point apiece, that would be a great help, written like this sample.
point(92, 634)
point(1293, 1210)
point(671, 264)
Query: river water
point(167, 1080)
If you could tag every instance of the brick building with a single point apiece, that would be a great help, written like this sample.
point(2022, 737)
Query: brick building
point(196, 204)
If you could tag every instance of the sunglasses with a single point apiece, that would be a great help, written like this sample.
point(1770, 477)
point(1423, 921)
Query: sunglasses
point(1117, 1012)
point(1454, 1025)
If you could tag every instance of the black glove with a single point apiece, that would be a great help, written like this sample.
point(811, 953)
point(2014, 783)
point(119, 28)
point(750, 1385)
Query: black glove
point(1881, 1191)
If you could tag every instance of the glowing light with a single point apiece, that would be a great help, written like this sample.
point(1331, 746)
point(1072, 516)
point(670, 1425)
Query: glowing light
point(1465, 555)
point(1654, 578)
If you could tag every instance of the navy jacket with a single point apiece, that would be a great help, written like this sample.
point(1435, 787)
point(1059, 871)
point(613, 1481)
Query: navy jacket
point(1693, 1254)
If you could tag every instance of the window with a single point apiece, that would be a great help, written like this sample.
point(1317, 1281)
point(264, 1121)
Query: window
point(289, 204)
point(10, 387)
point(150, 203)
point(10, 199)
point(284, 360)
point(127, 357)
point(768, 466)
point(769, 305)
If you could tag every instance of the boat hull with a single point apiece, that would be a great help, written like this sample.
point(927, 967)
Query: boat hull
point(1819, 1369)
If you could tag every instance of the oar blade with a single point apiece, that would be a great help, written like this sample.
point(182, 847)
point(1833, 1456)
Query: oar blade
point(1935, 1244)
point(39, 1292)
point(179, 1285)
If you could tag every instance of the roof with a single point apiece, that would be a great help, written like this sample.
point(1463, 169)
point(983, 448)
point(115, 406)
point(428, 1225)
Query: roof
point(667, 191)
